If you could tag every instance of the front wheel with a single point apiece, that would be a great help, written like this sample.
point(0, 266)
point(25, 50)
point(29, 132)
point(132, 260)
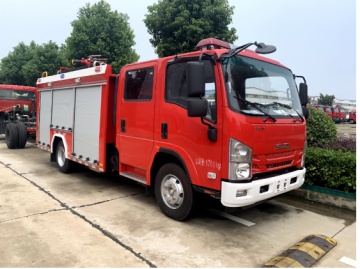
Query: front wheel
point(173, 192)
point(65, 165)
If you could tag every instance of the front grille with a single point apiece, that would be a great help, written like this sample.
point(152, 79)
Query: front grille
point(276, 165)
point(280, 154)
point(274, 173)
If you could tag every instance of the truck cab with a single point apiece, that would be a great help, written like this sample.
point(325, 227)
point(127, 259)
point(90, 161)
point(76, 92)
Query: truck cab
point(338, 114)
point(352, 116)
point(328, 111)
point(233, 125)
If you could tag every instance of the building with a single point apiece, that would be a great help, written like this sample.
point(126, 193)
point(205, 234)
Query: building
point(346, 104)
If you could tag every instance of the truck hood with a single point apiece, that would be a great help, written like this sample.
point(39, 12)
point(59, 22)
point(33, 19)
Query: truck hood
point(276, 137)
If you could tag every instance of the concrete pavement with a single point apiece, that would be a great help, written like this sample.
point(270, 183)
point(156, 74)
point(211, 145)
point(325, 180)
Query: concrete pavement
point(39, 231)
point(49, 219)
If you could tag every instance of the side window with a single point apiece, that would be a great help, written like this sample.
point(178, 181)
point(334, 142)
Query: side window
point(139, 84)
point(211, 97)
point(176, 91)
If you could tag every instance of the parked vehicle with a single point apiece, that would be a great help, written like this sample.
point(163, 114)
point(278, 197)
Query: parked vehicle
point(225, 122)
point(338, 114)
point(17, 114)
point(327, 110)
point(352, 116)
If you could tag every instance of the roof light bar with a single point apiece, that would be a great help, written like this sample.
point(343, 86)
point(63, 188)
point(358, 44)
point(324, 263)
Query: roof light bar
point(212, 43)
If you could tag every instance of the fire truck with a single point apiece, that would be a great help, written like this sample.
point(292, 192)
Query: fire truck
point(17, 114)
point(352, 116)
point(328, 111)
point(222, 121)
point(338, 114)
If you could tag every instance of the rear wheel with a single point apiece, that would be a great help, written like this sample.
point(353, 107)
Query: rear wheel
point(22, 135)
point(173, 192)
point(11, 135)
point(65, 165)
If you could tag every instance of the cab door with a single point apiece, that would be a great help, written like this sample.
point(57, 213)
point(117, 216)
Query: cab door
point(136, 106)
point(187, 137)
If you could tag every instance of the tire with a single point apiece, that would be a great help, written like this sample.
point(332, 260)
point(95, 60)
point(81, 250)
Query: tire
point(174, 192)
point(65, 165)
point(11, 135)
point(22, 135)
point(351, 121)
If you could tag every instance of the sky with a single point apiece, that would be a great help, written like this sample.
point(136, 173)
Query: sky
point(314, 38)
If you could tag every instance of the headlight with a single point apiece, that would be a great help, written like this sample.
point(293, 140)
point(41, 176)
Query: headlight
point(304, 153)
point(240, 157)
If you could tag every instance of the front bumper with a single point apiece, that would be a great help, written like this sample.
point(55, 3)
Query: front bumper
point(270, 187)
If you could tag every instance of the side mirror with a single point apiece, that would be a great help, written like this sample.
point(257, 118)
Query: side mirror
point(197, 107)
point(195, 79)
point(264, 49)
point(303, 94)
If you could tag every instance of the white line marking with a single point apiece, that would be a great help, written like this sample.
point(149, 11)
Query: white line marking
point(232, 217)
point(348, 261)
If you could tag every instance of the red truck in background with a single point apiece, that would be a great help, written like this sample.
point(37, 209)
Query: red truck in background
point(318, 107)
point(352, 116)
point(17, 114)
point(338, 114)
point(222, 121)
point(328, 111)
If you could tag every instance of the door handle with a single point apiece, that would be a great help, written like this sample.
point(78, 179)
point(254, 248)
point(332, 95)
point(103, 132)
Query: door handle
point(123, 125)
point(164, 130)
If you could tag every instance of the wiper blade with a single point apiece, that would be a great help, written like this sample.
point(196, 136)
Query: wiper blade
point(255, 105)
point(288, 107)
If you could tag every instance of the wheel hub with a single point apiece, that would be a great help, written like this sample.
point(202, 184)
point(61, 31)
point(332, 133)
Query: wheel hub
point(61, 156)
point(172, 191)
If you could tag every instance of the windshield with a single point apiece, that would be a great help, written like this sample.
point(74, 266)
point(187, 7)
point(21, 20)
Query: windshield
point(259, 88)
point(328, 109)
point(16, 95)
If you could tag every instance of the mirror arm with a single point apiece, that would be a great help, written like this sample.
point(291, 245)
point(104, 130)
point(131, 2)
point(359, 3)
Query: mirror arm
point(212, 131)
point(300, 77)
point(213, 57)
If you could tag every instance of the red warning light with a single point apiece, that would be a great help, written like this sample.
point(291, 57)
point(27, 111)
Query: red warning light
point(212, 43)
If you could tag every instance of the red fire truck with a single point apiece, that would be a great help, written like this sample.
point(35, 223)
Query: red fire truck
point(17, 114)
point(328, 111)
point(222, 121)
point(338, 114)
point(352, 116)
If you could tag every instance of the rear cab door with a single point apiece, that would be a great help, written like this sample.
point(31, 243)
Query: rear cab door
point(135, 119)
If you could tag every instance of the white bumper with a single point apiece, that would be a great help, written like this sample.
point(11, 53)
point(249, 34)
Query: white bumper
point(276, 185)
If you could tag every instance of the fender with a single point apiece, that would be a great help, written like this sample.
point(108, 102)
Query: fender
point(62, 137)
point(175, 154)
point(181, 155)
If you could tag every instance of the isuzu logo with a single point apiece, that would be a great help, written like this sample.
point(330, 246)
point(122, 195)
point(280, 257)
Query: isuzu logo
point(282, 146)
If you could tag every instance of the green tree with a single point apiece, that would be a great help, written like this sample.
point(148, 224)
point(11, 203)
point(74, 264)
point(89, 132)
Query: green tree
point(48, 57)
point(326, 100)
point(12, 64)
point(176, 26)
point(320, 128)
point(24, 65)
point(100, 31)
